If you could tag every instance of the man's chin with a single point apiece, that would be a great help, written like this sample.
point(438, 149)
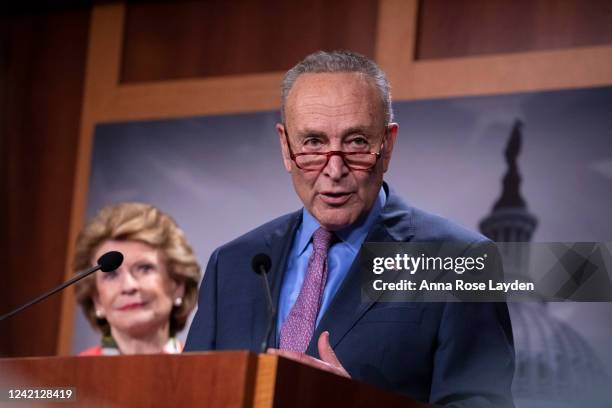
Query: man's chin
point(335, 219)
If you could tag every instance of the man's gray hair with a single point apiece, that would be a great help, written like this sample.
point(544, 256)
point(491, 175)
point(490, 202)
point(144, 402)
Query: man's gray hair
point(339, 61)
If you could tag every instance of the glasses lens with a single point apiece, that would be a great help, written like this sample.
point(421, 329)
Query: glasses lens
point(360, 161)
point(363, 161)
point(311, 161)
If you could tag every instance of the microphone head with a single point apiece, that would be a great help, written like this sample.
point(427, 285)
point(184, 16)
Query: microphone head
point(261, 261)
point(110, 261)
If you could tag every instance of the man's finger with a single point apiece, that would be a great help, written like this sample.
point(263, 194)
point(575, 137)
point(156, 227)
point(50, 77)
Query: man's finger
point(326, 352)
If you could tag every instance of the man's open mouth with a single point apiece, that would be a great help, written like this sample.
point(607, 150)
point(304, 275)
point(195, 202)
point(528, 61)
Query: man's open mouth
point(335, 198)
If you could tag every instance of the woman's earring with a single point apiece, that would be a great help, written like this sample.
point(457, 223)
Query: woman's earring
point(178, 301)
point(99, 314)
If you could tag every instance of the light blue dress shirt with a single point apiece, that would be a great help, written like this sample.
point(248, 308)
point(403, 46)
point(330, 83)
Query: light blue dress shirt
point(339, 259)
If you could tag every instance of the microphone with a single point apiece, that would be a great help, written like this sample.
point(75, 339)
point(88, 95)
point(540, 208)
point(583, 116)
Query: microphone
point(108, 262)
point(261, 264)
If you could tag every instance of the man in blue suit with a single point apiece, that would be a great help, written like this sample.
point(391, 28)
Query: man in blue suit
point(337, 136)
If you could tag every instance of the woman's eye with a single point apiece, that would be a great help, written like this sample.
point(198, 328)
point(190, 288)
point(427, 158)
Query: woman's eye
point(109, 275)
point(145, 268)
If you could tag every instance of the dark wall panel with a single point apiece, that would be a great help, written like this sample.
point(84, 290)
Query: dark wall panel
point(43, 67)
point(461, 28)
point(211, 38)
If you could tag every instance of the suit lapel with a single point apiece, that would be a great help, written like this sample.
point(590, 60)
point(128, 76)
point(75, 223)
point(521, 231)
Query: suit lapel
point(347, 307)
point(278, 243)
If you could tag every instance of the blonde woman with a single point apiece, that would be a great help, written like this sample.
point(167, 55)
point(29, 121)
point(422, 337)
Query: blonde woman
point(138, 308)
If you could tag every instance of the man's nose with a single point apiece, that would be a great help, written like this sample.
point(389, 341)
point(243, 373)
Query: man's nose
point(336, 168)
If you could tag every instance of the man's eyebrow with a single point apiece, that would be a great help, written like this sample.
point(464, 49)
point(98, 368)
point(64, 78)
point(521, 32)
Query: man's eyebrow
point(302, 134)
point(361, 130)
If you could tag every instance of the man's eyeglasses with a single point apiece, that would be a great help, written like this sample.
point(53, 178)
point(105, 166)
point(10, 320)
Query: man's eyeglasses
point(311, 161)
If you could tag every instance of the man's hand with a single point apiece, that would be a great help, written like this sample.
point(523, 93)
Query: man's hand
point(329, 361)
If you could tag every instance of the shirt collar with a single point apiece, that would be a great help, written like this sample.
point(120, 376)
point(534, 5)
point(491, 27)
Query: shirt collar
point(353, 235)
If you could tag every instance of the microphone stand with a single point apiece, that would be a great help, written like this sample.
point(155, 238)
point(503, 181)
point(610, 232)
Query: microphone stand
point(51, 292)
point(271, 309)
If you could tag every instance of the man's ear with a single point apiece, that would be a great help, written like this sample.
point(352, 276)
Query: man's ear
point(392, 129)
point(280, 129)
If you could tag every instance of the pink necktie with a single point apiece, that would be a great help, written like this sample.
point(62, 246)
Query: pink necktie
point(300, 323)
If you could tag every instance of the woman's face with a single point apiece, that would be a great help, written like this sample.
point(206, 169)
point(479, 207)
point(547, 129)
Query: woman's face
point(137, 298)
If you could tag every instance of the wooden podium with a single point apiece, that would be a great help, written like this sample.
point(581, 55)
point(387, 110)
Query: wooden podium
point(212, 379)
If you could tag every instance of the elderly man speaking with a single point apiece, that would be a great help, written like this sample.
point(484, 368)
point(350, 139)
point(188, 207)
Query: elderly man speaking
point(337, 136)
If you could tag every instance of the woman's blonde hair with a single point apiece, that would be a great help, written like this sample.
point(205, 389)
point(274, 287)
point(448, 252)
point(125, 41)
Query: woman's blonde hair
point(147, 224)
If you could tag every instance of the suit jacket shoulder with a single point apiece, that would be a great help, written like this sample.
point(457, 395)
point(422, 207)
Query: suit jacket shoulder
point(266, 233)
point(406, 223)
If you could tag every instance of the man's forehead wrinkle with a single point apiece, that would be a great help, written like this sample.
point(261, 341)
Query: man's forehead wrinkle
point(331, 123)
point(340, 103)
point(332, 103)
point(332, 110)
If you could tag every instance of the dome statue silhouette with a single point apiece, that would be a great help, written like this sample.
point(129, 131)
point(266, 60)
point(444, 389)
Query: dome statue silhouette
point(555, 365)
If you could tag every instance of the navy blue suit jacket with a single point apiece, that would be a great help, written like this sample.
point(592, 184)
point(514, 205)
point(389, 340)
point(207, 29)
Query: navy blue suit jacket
point(445, 353)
